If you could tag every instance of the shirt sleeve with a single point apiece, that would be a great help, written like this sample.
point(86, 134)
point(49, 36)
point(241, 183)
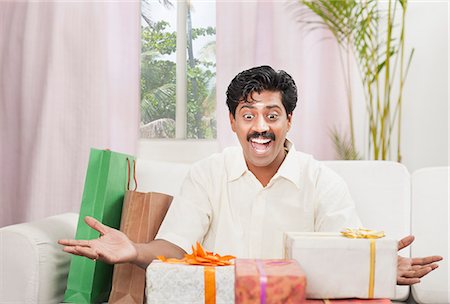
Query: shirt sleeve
point(189, 215)
point(334, 206)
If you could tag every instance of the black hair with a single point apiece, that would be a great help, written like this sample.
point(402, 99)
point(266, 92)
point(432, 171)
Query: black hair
point(258, 79)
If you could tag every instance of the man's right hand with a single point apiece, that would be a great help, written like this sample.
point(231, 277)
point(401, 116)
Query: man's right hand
point(111, 247)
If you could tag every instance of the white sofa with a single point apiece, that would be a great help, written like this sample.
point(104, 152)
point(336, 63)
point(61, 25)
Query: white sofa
point(33, 269)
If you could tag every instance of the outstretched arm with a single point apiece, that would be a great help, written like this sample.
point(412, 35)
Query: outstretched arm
point(410, 270)
point(114, 247)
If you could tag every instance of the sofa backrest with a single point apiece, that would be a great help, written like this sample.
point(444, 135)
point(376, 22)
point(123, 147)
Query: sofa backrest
point(382, 194)
point(160, 176)
point(381, 189)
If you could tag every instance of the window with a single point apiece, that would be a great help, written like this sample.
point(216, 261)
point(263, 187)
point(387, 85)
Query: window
point(178, 98)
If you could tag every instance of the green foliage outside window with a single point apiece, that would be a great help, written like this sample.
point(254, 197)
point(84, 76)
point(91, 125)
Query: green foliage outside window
point(158, 83)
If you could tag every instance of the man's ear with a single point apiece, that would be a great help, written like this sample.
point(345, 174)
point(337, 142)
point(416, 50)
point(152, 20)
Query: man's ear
point(232, 122)
point(289, 118)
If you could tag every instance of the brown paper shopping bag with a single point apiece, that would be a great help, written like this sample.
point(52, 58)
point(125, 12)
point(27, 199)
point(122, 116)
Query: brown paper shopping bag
point(142, 214)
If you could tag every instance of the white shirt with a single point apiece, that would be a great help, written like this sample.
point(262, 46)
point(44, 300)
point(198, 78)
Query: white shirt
point(223, 206)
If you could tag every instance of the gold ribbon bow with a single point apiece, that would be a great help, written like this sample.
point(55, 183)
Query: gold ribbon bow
point(362, 233)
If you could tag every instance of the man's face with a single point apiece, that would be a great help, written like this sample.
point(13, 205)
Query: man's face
point(261, 126)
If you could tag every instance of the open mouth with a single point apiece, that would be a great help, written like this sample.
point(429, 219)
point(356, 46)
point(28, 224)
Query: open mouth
point(261, 145)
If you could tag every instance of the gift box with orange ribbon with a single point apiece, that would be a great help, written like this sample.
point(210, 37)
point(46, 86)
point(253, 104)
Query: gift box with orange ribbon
point(269, 281)
point(200, 277)
point(357, 263)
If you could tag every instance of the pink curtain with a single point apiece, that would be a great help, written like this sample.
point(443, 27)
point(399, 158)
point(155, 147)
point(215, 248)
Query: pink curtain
point(252, 33)
point(69, 81)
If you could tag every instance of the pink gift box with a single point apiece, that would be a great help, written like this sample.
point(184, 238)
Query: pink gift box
point(269, 281)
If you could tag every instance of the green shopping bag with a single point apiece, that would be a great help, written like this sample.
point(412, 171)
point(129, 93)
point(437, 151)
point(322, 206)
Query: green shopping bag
point(105, 185)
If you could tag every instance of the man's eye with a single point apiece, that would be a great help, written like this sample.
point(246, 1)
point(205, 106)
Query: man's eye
point(248, 116)
point(272, 116)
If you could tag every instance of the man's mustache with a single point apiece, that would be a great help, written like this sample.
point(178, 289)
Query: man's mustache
point(265, 134)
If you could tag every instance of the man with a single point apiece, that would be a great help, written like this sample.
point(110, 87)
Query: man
point(242, 200)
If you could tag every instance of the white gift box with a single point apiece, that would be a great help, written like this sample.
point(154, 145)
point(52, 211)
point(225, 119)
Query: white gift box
point(341, 267)
point(180, 283)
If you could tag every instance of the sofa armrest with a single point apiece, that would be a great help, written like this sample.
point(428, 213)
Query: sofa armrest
point(33, 267)
point(430, 225)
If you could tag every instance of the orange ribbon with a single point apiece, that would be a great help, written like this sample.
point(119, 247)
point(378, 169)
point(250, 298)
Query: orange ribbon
point(200, 257)
point(210, 284)
point(209, 260)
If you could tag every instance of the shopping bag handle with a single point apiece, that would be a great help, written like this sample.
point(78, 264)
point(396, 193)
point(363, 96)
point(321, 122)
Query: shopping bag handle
point(134, 174)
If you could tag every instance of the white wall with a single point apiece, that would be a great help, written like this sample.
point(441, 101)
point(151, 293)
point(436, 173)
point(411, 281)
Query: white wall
point(425, 132)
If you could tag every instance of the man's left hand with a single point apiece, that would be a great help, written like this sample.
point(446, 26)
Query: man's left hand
point(410, 270)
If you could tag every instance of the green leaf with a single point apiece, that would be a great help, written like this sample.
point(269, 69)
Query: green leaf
point(343, 146)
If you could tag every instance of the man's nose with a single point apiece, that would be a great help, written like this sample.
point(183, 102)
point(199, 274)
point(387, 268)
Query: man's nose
point(261, 125)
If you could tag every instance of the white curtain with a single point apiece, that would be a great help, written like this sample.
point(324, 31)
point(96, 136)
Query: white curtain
point(252, 33)
point(69, 81)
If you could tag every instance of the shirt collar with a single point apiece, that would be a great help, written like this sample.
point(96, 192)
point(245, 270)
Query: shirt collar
point(237, 166)
point(289, 169)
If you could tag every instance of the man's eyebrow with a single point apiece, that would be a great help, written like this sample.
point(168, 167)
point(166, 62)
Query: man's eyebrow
point(248, 106)
point(273, 107)
point(251, 106)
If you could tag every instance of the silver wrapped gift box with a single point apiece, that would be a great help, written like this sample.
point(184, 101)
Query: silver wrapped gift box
point(180, 283)
point(340, 267)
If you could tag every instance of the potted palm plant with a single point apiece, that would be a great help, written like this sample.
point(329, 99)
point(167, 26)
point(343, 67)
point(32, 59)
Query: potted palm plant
point(373, 35)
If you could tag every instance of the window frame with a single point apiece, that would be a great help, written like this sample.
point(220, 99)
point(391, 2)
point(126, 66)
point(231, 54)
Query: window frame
point(180, 148)
point(181, 73)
